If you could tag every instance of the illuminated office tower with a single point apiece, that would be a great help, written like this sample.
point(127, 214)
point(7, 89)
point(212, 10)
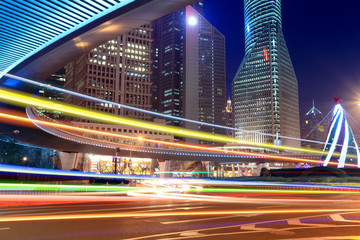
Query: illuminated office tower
point(56, 79)
point(189, 68)
point(265, 90)
point(229, 117)
point(118, 71)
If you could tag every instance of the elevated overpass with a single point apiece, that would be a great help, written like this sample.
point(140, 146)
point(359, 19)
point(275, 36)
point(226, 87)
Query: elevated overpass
point(39, 37)
point(107, 146)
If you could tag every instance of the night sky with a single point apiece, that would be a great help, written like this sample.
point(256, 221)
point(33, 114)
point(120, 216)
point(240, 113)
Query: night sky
point(323, 38)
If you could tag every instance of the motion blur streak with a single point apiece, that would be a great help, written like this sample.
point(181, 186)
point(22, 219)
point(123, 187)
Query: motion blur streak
point(50, 187)
point(12, 96)
point(50, 199)
point(304, 191)
point(22, 99)
point(182, 145)
point(143, 110)
point(161, 214)
point(202, 198)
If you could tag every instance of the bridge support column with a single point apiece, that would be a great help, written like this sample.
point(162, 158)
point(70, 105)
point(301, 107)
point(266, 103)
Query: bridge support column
point(258, 168)
point(68, 160)
point(164, 167)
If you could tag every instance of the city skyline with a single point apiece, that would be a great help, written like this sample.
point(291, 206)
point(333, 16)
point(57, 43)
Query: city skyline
point(325, 63)
point(79, 158)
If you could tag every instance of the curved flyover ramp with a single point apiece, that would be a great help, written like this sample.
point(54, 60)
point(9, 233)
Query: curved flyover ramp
point(37, 37)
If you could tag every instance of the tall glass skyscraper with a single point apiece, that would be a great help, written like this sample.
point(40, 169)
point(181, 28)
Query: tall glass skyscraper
point(189, 70)
point(265, 90)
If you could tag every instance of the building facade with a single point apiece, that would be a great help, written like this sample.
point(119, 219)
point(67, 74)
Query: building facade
point(56, 79)
point(229, 118)
point(118, 70)
point(265, 90)
point(189, 68)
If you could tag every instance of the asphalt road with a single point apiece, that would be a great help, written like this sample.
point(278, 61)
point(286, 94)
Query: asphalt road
point(179, 216)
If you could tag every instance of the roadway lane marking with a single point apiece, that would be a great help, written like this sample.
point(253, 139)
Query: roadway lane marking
point(294, 221)
point(99, 210)
point(252, 227)
point(274, 206)
point(4, 228)
point(192, 234)
point(177, 208)
point(212, 218)
point(170, 209)
point(337, 218)
point(256, 230)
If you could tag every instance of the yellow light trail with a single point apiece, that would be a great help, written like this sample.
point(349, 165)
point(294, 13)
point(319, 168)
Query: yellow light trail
point(166, 214)
point(173, 144)
point(22, 99)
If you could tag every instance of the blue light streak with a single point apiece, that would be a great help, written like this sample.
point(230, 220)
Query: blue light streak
point(339, 119)
point(53, 172)
point(344, 148)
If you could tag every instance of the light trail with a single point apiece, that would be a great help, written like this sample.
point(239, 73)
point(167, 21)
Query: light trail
point(82, 188)
point(167, 214)
point(304, 191)
point(8, 200)
point(173, 144)
point(32, 82)
point(21, 99)
point(53, 187)
point(174, 181)
point(222, 183)
point(172, 194)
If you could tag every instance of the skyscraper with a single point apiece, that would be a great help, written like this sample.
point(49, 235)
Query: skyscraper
point(229, 115)
point(118, 70)
point(265, 90)
point(189, 68)
point(56, 79)
point(314, 128)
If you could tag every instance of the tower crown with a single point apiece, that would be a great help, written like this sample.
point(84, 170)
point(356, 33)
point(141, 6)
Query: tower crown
point(257, 14)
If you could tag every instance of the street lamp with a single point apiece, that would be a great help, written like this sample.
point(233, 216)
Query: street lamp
point(25, 158)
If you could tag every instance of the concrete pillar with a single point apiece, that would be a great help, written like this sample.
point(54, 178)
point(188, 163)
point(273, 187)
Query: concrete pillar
point(205, 167)
point(258, 168)
point(164, 166)
point(69, 160)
